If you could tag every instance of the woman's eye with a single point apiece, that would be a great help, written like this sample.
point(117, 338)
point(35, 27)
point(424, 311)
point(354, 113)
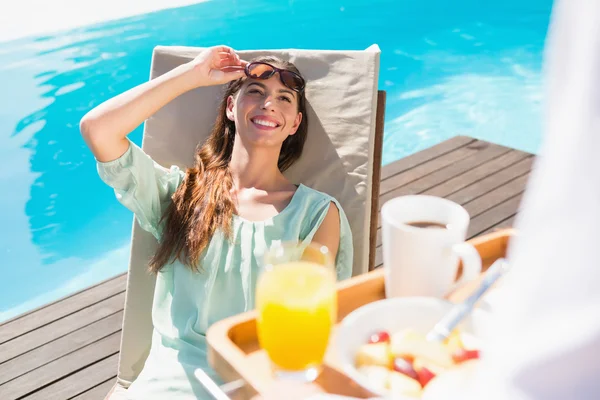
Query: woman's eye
point(284, 98)
point(254, 91)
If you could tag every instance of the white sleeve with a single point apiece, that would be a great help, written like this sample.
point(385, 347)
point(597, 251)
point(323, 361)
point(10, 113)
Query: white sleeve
point(546, 340)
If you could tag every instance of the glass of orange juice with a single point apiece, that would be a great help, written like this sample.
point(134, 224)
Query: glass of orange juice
point(296, 299)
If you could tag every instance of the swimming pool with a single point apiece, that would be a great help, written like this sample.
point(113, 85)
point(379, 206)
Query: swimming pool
point(465, 67)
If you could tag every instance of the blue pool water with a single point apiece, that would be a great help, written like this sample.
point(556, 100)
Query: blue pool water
point(450, 67)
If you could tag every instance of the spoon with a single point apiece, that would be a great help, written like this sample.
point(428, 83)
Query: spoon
point(442, 329)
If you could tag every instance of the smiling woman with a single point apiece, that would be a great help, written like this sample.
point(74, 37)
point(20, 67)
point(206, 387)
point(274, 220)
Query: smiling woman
point(215, 220)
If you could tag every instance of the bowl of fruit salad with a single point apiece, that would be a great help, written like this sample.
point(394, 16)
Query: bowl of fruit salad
point(382, 346)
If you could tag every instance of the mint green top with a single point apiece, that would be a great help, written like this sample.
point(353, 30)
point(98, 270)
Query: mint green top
point(186, 303)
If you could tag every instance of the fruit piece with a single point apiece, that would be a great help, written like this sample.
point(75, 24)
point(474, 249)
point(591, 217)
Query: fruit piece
point(405, 367)
point(462, 355)
point(406, 335)
point(469, 341)
point(374, 354)
point(425, 375)
point(409, 344)
point(401, 384)
point(377, 376)
point(454, 342)
point(421, 362)
point(452, 383)
point(379, 337)
point(427, 370)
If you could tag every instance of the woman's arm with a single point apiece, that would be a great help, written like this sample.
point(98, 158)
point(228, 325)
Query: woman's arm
point(105, 127)
point(328, 233)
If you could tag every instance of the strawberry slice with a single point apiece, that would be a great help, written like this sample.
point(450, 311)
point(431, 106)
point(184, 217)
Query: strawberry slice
point(425, 375)
point(405, 367)
point(379, 337)
point(462, 355)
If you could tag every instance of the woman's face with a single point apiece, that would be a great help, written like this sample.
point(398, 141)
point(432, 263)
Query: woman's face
point(265, 112)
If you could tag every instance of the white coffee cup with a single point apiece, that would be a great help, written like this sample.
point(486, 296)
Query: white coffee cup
point(420, 261)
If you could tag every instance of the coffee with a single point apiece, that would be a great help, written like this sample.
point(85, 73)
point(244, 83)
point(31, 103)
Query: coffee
point(427, 225)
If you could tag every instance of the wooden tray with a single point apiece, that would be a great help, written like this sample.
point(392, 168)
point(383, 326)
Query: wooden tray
point(234, 352)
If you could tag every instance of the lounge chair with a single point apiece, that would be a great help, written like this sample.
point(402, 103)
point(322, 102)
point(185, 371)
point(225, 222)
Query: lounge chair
point(342, 157)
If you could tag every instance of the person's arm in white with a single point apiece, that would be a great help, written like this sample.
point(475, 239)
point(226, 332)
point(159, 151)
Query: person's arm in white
point(546, 343)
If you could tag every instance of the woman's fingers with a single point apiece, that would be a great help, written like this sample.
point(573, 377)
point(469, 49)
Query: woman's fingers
point(231, 56)
point(226, 65)
point(216, 65)
point(223, 49)
point(226, 62)
point(225, 52)
point(233, 68)
point(226, 57)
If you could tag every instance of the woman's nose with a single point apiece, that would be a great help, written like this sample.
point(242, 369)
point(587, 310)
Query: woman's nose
point(268, 103)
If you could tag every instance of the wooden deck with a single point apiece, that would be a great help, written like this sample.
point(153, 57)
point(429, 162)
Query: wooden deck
point(69, 349)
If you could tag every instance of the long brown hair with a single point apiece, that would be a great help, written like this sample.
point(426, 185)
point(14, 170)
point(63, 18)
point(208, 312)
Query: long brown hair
point(203, 203)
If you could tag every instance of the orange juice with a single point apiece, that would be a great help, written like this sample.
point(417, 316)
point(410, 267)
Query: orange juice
point(296, 304)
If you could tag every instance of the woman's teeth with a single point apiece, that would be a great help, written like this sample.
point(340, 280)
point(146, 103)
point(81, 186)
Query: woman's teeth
point(265, 123)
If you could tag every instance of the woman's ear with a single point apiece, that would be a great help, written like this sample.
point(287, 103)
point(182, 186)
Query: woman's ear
point(296, 123)
point(230, 104)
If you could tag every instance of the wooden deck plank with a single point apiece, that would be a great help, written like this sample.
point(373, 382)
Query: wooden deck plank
point(456, 169)
point(60, 347)
point(482, 186)
point(61, 327)
point(79, 382)
point(491, 182)
point(476, 174)
point(378, 256)
point(496, 196)
point(51, 312)
point(97, 392)
point(64, 366)
point(389, 186)
point(480, 155)
point(493, 216)
point(507, 223)
point(423, 156)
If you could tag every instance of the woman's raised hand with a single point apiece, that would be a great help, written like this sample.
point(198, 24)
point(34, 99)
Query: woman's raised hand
point(214, 66)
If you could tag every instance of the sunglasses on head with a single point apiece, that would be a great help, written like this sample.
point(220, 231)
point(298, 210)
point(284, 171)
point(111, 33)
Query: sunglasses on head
point(263, 70)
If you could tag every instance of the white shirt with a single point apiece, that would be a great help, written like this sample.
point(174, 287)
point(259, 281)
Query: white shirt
point(546, 343)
